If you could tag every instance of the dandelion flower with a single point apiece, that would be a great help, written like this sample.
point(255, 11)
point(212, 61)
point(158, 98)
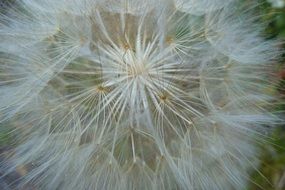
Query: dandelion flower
point(129, 94)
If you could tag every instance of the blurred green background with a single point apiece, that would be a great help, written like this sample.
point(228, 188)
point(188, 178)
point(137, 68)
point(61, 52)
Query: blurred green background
point(271, 173)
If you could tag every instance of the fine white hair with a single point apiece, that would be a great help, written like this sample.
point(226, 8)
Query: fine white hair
point(135, 94)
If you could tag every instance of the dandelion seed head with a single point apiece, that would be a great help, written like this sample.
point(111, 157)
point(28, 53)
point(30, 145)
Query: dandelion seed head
point(128, 94)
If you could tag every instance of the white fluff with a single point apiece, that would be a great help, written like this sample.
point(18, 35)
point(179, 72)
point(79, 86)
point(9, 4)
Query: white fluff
point(129, 94)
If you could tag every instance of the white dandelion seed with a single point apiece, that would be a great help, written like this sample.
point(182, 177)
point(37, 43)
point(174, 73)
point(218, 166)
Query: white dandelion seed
point(128, 94)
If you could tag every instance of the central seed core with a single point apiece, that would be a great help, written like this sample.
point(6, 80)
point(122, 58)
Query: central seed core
point(136, 70)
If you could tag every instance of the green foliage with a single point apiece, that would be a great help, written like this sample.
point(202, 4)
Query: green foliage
point(271, 173)
point(274, 17)
point(5, 138)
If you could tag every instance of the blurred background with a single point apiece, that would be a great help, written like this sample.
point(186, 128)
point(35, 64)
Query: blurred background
point(271, 173)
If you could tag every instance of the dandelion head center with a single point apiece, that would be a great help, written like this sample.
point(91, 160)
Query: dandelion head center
point(135, 68)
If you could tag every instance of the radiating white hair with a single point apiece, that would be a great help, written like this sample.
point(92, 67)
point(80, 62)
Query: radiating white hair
point(135, 94)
